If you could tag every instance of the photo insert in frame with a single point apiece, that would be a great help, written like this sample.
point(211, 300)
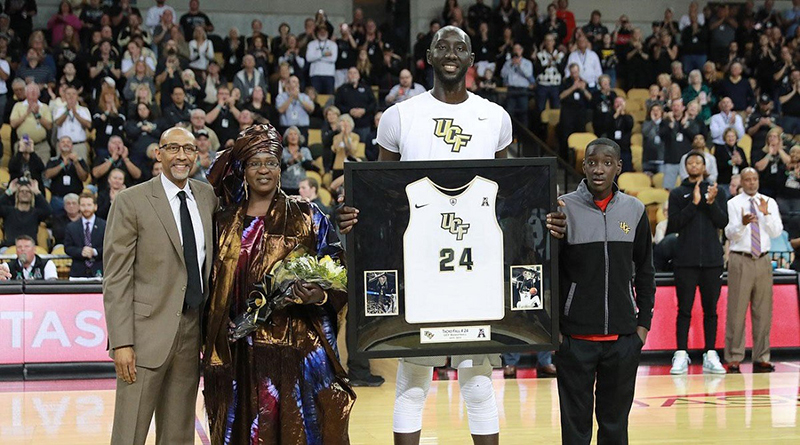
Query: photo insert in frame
point(380, 296)
point(526, 287)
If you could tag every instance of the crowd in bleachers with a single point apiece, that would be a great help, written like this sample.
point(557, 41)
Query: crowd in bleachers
point(86, 98)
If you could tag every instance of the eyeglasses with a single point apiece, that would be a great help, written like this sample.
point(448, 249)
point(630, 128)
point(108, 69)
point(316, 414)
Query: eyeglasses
point(256, 165)
point(173, 149)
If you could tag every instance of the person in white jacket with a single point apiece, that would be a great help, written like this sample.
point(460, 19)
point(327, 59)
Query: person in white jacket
point(201, 50)
point(321, 55)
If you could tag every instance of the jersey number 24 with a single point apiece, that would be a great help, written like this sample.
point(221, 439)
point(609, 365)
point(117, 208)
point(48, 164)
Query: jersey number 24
point(447, 256)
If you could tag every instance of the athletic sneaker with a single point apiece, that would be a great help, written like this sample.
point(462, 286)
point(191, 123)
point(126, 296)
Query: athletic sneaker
point(711, 363)
point(680, 363)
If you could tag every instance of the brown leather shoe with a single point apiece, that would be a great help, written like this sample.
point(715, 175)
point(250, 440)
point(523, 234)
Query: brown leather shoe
point(763, 367)
point(509, 372)
point(733, 368)
point(546, 371)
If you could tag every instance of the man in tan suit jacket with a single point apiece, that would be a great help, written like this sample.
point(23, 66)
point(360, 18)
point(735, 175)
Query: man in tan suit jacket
point(158, 254)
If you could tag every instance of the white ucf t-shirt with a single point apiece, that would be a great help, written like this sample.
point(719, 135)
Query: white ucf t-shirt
point(453, 253)
point(424, 128)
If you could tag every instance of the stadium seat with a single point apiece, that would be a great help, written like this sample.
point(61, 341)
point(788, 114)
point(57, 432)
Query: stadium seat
point(637, 139)
point(620, 93)
point(636, 157)
point(578, 142)
point(314, 137)
point(653, 196)
point(660, 215)
point(638, 94)
point(325, 196)
point(310, 174)
point(322, 100)
point(43, 237)
point(746, 142)
point(658, 180)
point(5, 177)
point(361, 151)
point(633, 181)
point(551, 117)
point(319, 161)
point(638, 115)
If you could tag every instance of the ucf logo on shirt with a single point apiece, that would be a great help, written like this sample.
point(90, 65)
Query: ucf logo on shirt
point(452, 135)
point(454, 225)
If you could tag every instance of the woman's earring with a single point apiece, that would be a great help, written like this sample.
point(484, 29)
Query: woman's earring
point(246, 192)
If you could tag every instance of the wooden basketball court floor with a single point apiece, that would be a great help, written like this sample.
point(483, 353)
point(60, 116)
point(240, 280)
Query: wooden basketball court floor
point(697, 409)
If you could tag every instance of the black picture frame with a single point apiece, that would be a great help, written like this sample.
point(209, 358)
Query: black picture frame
point(526, 193)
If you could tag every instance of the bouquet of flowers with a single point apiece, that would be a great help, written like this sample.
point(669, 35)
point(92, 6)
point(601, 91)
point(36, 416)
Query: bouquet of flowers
point(274, 291)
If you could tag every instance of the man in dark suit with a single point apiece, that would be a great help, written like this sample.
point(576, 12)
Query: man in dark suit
point(83, 240)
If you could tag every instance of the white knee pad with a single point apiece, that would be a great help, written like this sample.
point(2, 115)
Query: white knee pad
point(478, 394)
point(413, 383)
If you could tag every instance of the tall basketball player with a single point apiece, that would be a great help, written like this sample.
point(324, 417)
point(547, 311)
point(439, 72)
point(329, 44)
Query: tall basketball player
point(451, 123)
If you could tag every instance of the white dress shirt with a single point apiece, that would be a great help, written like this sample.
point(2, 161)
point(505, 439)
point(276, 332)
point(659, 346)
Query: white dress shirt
point(720, 122)
point(175, 203)
point(589, 64)
point(71, 126)
point(770, 225)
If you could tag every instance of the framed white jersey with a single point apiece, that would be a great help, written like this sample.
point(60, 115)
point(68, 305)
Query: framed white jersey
point(447, 239)
point(453, 253)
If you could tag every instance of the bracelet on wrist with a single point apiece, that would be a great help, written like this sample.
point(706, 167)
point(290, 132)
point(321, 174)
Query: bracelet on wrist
point(324, 298)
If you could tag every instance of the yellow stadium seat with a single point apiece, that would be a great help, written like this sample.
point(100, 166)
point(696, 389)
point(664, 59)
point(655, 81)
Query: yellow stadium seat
point(658, 180)
point(578, 142)
point(746, 142)
point(638, 115)
point(620, 93)
point(636, 139)
point(327, 178)
point(653, 196)
point(43, 237)
point(325, 196)
point(5, 177)
point(551, 117)
point(12, 250)
point(320, 162)
point(633, 181)
point(315, 176)
point(58, 249)
point(360, 151)
point(638, 93)
point(41, 250)
point(314, 137)
point(660, 216)
point(636, 157)
point(322, 99)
